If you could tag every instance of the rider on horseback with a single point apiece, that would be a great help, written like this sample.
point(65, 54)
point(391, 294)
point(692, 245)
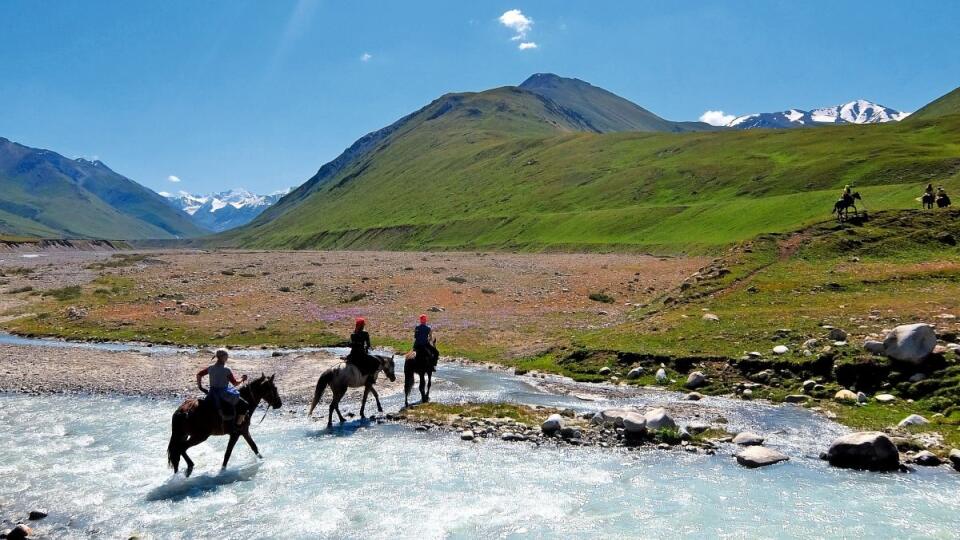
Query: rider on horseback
point(423, 342)
point(225, 397)
point(846, 195)
point(360, 350)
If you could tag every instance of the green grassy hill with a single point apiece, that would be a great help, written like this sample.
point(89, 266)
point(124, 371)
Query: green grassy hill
point(946, 105)
point(44, 194)
point(502, 169)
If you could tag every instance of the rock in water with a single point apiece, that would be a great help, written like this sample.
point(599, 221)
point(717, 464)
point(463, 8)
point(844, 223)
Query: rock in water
point(758, 456)
point(869, 450)
point(747, 438)
point(553, 424)
point(910, 342)
point(913, 420)
point(467, 435)
point(36, 515)
point(20, 532)
point(926, 459)
point(696, 380)
point(955, 459)
point(659, 419)
point(845, 396)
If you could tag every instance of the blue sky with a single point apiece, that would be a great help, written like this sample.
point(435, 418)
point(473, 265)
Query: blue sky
point(222, 94)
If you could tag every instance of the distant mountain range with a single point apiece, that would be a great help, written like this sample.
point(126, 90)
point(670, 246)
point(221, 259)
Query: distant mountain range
point(225, 210)
point(45, 194)
point(854, 112)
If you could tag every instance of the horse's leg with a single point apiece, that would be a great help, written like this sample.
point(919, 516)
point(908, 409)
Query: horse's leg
point(190, 443)
point(429, 383)
point(376, 397)
point(230, 444)
point(330, 415)
point(407, 382)
point(335, 404)
point(250, 443)
point(363, 400)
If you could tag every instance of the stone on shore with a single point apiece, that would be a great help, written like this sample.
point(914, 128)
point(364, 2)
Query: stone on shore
point(635, 373)
point(781, 349)
point(869, 450)
point(747, 438)
point(913, 420)
point(910, 342)
point(845, 396)
point(926, 458)
point(659, 419)
point(604, 371)
point(611, 417)
point(758, 456)
point(885, 398)
point(20, 532)
point(696, 380)
point(661, 376)
point(809, 385)
point(837, 334)
point(797, 398)
point(634, 425)
point(694, 396)
point(955, 459)
point(552, 424)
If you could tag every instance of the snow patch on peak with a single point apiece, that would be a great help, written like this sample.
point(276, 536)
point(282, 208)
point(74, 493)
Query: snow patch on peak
point(860, 111)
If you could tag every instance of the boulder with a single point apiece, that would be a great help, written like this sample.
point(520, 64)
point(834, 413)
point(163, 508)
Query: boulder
point(758, 456)
point(20, 532)
point(869, 450)
point(694, 396)
point(747, 438)
point(635, 373)
point(955, 458)
point(711, 317)
point(661, 376)
point(697, 427)
point(634, 425)
point(747, 394)
point(885, 398)
point(552, 424)
point(696, 380)
point(862, 398)
point(917, 377)
point(836, 334)
point(874, 347)
point(569, 432)
point(612, 417)
point(910, 342)
point(780, 349)
point(797, 398)
point(845, 396)
point(913, 420)
point(659, 419)
point(926, 458)
point(809, 385)
point(467, 435)
point(604, 371)
point(36, 515)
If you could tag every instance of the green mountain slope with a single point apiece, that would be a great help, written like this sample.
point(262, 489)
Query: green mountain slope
point(491, 172)
point(45, 194)
point(603, 111)
point(942, 106)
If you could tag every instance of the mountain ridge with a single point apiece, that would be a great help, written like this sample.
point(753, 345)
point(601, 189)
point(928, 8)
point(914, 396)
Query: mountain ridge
point(224, 210)
point(859, 111)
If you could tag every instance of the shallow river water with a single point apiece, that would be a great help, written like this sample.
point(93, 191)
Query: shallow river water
point(98, 465)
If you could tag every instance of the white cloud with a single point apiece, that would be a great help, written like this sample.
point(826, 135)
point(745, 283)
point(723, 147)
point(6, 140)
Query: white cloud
point(515, 20)
point(717, 118)
point(174, 179)
point(366, 57)
point(527, 45)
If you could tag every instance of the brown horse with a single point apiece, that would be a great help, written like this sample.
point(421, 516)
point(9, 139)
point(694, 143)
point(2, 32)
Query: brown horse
point(196, 420)
point(842, 207)
point(343, 376)
point(419, 365)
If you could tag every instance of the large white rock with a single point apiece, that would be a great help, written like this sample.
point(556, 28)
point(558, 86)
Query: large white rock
point(845, 396)
point(869, 450)
point(553, 424)
point(635, 373)
point(913, 420)
point(885, 398)
point(910, 342)
point(747, 438)
point(781, 349)
point(758, 456)
point(955, 458)
point(659, 419)
point(634, 425)
point(661, 375)
point(612, 417)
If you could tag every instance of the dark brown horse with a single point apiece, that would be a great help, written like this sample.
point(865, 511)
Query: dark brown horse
point(196, 420)
point(842, 207)
point(418, 365)
point(927, 200)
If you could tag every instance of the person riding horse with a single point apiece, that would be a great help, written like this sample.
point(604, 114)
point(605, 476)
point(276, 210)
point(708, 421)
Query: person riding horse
point(943, 200)
point(423, 342)
point(360, 350)
point(225, 398)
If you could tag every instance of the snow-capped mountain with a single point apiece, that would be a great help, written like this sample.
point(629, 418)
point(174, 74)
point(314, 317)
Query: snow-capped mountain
point(855, 112)
point(225, 210)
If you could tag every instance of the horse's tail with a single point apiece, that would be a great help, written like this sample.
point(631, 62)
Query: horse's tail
point(178, 436)
point(322, 383)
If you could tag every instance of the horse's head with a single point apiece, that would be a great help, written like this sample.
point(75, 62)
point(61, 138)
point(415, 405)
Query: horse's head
point(387, 366)
point(856, 195)
point(264, 388)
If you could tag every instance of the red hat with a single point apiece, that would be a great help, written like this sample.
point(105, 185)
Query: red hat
point(360, 322)
point(423, 318)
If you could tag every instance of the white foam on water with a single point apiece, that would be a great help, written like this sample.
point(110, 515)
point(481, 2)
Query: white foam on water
point(386, 481)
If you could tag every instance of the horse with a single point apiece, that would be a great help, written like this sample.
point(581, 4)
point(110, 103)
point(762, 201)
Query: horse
point(943, 201)
point(927, 200)
point(343, 376)
point(415, 364)
point(842, 207)
point(195, 420)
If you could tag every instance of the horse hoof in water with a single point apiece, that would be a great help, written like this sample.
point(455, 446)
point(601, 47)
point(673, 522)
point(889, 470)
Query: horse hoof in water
point(188, 472)
point(259, 456)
